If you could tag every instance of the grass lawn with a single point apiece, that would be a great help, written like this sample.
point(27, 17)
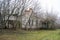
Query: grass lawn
point(30, 35)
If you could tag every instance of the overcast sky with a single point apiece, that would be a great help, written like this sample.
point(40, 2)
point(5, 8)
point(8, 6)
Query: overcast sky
point(51, 4)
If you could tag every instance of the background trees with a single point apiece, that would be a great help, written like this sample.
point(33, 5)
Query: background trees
point(9, 7)
point(16, 8)
point(49, 21)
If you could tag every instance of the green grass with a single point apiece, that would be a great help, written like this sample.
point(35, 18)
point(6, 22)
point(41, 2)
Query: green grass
point(30, 35)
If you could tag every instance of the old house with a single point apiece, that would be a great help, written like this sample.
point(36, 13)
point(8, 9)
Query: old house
point(30, 20)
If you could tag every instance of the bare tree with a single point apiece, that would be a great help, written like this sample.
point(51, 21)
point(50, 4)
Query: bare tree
point(49, 21)
point(9, 7)
point(37, 10)
point(1, 19)
point(35, 13)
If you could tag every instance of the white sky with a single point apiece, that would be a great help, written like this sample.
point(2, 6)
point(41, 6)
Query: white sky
point(49, 4)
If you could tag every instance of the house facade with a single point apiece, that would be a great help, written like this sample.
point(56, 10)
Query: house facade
point(30, 20)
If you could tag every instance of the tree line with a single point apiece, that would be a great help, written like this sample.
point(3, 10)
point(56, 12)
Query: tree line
point(17, 7)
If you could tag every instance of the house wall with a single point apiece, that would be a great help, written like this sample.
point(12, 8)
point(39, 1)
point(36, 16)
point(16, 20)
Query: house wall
point(26, 17)
point(34, 22)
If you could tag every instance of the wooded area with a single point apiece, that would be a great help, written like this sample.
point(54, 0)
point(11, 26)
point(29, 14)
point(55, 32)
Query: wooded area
point(19, 14)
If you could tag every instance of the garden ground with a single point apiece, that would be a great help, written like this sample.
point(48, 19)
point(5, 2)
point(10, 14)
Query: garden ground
point(30, 35)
